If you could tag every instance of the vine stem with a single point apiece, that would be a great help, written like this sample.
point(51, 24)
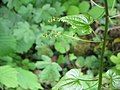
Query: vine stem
point(104, 45)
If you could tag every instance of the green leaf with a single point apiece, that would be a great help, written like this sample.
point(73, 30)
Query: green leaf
point(44, 50)
point(115, 59)
point(80, 62)
point(80, 23)
point(27, 80)
point(118, 66)
point(84, 6)
point(73, 10)
point(26, 11)
point(62, 47)
point(43, 14)
point(59, 9)
point(13, 4)
point(48, 35)
point(75, 80)
point(73, 2)
point(7, 41)
point(8, 76)
point(114, 77)
point(72, 57)
point(26, 1)
point(50, 69)
point(61, 59)
point(24, 36)
point(91, 62)
point(96, 12)
point(26, 64)
point(111, 3)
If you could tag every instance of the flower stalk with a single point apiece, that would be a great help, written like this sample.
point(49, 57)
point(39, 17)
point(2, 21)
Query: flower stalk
point(103, 45)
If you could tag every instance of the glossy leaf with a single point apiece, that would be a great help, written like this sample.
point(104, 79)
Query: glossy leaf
point(75, 80)
point(79, 22)
point(114, 77)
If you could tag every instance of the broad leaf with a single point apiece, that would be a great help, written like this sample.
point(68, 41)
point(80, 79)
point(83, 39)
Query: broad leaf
point(84, 6)
point(115, 59)
point(62, 47)
point(27, 80)
point(80, 23)
point(114, 79)
point(96, 12)
point(24, 36)
point(75, 80)
point(50, 72)
point(73, 10)
point(8, 76)
point(7, 41)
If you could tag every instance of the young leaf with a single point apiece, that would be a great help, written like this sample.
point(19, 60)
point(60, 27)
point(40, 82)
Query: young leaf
point(72, 57)
point(8, 76)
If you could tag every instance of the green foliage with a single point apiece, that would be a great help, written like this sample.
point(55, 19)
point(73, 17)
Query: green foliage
point(45, 13)
point(24, 36)
point(79, 22)
point(96, 12)
point(8, 76)
point(61, 59)
point(27, 80)
point(84, 7)
point(7, 41)
point(12, 77)
point(73, 10)
point(62, 47)
point(111, 79)
point(116, 60)
point(111, 3)
point(43, 39)
point(50, 72)
point(26, 64)
point(74, 79)
point(72, 57)
point(89, 61)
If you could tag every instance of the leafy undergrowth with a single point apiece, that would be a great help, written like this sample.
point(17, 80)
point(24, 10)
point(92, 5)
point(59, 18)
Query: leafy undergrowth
point(56, 45)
